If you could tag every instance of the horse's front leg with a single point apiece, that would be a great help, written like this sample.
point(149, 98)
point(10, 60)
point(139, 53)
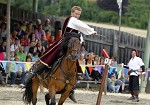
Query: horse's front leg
point(35, 89)
point(65, 95)
point(47, 99)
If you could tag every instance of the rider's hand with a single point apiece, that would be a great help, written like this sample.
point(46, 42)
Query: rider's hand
point(95, 33)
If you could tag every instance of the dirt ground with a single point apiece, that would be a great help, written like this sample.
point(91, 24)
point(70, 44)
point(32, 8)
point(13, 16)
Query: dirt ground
point(13, 96)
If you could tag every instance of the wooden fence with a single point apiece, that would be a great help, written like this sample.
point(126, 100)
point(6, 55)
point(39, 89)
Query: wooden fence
point(126, 41)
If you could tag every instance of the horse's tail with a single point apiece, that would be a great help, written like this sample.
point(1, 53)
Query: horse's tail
point(27, 95)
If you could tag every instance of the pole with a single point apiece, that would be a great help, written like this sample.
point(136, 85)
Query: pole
point(105, 73)
point(146, 57)
point(117, 35)
point(35, 5)
point(8, 36)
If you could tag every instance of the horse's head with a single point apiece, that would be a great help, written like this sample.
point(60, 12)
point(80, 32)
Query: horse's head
point(73, 48)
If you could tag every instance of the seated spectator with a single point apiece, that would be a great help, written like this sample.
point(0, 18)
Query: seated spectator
point(47, 25)
point(15, 46)
point(125, 81)
point(96, 60)
point(35, 56)
point(33, 38)
point(48, 36)
point(82, 50)
point(1, 76)
point(12, 56)
point(112, 84)
point(3, 31)
point(59, 35)
point(32, 47)
point(25, 40)
point(40, 49)
point(52, 40)
point(3, 46)
point(15, 71)
point(44, 42)
point(113, 62)
point(21, 54)
point(39, 32)
point(94, 73)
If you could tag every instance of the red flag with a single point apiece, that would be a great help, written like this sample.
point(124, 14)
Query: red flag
point(105, 53)
point(90, 69)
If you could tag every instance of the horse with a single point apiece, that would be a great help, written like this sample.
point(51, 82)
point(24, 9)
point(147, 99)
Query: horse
point(60, 81)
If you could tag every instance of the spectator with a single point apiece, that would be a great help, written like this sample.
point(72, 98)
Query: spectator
point(3, 46)
point(1, 76)
point(111, 84)
point(47, 25)
point(96, 60)
point(3, 33)
point(44, 42)
point(33, 38)
point(59, 35)
point(15, 71)
point(3, 19)
point(15, 46)
point(35, 56)
point(25, 41)
point(113, 62)
point(39, 32)
point(21, 54)
point(125, 81)
point(40, 49)
point(12, 56)
point(94, 73)
point(52, 40)
point(29, 29)
point(82, 50)
point(32, 48)
point(48, 36)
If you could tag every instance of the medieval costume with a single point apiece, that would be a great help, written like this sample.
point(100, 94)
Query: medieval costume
point(135, 64)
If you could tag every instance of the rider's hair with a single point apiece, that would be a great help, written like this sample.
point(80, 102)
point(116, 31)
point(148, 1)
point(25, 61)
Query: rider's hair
point(75, 8)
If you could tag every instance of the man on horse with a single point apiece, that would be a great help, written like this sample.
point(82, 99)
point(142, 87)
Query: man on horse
point(71, 26)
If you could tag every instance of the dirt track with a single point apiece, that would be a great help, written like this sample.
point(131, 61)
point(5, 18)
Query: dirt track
point(12, 96)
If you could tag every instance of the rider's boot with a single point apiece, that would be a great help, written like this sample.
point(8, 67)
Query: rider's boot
point(72, 96)
point(41, 67)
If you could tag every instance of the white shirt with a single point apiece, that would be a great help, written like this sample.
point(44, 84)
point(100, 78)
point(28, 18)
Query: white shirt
point(135, 64)
point(80, 26)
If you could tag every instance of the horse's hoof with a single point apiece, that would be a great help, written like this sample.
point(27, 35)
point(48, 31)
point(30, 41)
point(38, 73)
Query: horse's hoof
point(53, 104)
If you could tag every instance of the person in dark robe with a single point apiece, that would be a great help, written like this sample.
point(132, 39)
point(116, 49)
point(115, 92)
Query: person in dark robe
point(71, 27)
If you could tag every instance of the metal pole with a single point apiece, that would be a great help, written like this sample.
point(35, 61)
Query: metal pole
point(120, 14)
point(35, 5)
point(146, 51)
point(8, 36)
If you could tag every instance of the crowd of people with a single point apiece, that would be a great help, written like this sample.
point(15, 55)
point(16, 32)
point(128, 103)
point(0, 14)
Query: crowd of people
point(28, 42)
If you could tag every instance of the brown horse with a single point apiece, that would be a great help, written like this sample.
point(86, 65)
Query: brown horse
point(61, 80)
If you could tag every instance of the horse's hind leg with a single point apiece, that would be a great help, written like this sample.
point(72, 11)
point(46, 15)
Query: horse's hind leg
point(35, 89)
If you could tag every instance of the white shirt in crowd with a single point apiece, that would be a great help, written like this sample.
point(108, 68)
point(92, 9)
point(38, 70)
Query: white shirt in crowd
point(80, 26)
point(135, 64)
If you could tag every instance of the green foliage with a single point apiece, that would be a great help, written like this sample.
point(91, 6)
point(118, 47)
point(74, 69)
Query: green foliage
point(136, 15)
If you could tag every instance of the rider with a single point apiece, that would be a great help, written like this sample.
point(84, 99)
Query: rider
point(71, 26)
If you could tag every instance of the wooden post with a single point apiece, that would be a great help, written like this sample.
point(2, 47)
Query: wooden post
point(105, 73)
